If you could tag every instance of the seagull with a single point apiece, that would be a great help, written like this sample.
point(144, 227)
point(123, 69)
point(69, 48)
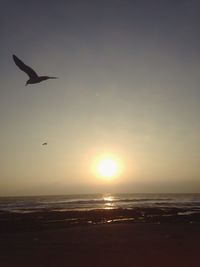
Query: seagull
point(33, 77)
point(44, 144)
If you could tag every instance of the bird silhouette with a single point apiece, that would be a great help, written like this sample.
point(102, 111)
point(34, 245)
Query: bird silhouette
point(33, 77)
point(44, 144)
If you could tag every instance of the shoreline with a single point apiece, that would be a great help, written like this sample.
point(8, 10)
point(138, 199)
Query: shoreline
point(137, 237)
point(48, 219)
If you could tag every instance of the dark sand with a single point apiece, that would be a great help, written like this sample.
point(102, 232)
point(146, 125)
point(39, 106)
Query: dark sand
point(25, 242)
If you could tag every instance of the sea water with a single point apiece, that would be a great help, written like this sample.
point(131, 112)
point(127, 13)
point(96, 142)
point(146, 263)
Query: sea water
point(190, 202)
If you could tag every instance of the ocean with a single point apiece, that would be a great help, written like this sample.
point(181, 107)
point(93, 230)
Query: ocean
point(189, 202)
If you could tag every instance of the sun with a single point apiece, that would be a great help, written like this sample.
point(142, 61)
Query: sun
point(107, 168)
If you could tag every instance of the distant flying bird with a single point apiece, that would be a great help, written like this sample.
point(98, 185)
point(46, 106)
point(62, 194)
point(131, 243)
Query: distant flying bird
point(33, 77)
point(44, 144)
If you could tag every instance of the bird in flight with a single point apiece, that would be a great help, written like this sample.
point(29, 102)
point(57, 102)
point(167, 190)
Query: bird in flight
point(33, 77)
point(44, 144)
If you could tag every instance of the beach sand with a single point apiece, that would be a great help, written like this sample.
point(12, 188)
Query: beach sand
point(107, 245)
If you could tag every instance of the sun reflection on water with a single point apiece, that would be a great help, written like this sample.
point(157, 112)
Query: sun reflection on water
point(109, 202)
point(108, 198)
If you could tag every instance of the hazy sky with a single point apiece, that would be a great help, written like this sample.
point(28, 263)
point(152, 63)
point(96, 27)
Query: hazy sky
point(129, 75)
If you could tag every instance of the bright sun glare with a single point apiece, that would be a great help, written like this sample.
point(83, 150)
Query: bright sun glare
point(107, 168)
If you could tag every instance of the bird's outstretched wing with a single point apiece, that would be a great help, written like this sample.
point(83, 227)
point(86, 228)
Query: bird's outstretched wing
point(30, 72)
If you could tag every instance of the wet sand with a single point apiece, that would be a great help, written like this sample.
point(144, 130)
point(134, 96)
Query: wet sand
point(115, 244)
